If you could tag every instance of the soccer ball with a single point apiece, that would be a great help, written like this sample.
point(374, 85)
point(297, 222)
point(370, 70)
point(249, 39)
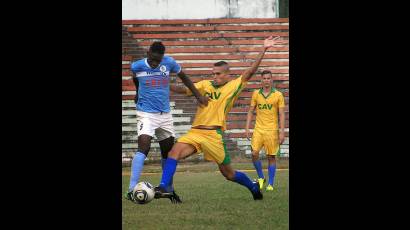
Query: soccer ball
point(143, 192)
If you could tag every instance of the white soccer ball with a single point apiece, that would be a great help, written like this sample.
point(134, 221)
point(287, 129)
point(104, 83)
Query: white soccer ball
point(143, 192)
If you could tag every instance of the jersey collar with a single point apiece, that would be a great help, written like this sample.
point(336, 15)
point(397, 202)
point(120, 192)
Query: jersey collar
point(272, 90)
point(217, 86)
point(146, 63)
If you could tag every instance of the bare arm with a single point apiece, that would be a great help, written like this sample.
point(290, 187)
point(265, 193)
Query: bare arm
point(247, 74)
point(188, 83)
point(282, 124)
point(136, 83)
point(248, 120)
point(177, 89)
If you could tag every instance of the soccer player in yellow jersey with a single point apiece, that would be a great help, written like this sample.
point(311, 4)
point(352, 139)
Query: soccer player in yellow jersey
point(210, 121)
point(268, 103)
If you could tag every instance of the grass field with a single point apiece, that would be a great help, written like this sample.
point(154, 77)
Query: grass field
point(209, 202)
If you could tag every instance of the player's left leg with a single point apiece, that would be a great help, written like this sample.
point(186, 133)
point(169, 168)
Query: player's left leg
point(241, 178)
point(166, 138)
point(166, 146)
point(271, 171)
point(271, 143)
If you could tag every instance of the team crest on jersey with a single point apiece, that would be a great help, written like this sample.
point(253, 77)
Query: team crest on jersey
point(163, 68)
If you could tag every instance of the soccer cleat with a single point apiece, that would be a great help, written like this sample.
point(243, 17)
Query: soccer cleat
point(258, 194)
point(130, 196)
point(261, 182)
point(175, 198)
point(161, 193)
point(269, 188)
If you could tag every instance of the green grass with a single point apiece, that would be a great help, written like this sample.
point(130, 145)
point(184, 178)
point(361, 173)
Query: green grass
point(209, 202)
point(209, 166)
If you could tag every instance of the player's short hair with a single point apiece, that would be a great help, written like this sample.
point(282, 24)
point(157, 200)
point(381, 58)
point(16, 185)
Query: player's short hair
point(220, 63)
point(266, 72)
point(157, 47)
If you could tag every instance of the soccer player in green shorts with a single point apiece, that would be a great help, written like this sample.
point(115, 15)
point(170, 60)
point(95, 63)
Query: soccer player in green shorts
point(206, 133)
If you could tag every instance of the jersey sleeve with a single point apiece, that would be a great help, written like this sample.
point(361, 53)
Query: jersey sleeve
point(175, 67)
point(198, 85)
point(238, 83)
point(134, 67)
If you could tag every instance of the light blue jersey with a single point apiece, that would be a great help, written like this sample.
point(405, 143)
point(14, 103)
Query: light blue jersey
point(153, 89)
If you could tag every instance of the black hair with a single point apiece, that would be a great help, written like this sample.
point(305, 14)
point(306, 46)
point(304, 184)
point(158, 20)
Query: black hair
point(266, 72)
point(220, 63)
point(157, 47)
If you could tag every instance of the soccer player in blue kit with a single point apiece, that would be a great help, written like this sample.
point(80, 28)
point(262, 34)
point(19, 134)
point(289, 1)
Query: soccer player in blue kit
point(151, 77)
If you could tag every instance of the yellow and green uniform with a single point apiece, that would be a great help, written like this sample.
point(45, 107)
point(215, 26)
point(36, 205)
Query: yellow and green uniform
point(222, 98)
point(266, 131)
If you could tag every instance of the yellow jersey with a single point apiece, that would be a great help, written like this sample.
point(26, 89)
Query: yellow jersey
point(221, 101)
point(267, 108)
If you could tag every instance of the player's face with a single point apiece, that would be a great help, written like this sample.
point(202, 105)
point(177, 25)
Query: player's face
point(221, 74)
point(154, 59)
point(267, 80)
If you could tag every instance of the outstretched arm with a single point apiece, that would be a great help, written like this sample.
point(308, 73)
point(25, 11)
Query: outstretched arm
point(177, 89)
point(269, 42)
point(188, 83)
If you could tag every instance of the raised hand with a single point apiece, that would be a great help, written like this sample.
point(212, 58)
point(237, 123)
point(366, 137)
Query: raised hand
point(271, 41)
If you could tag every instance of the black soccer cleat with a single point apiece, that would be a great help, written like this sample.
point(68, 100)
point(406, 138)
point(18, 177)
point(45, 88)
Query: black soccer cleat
point(258, 194)
point(130, 196)
point(161, 193)
point(175, 198)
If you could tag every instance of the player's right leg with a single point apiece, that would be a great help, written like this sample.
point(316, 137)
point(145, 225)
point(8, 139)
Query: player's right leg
point(144, 144)
point(178, 151)
point(271, 171)
point(166, 145)
point(271, 144)
point(146, 128)
point(256, 145)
